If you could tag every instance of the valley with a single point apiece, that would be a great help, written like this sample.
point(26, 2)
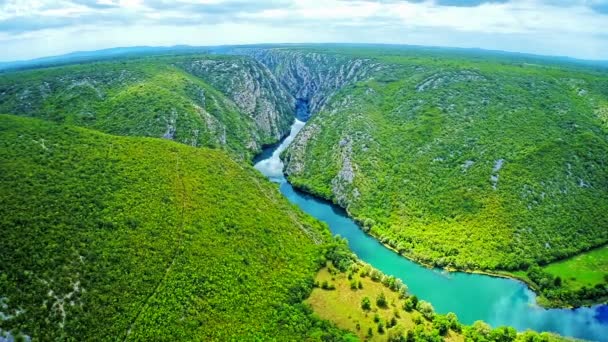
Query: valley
point(463, 163)
point(471, 297)
point(127, 191)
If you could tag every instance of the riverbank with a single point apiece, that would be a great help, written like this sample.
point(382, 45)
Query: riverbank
point(540, 299)
point(391, 313)
point(496, 299)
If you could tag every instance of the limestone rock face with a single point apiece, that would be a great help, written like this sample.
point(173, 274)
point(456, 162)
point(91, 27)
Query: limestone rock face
point(254, 90)
point(311, 76)
point(313, 79)
point(297, 150)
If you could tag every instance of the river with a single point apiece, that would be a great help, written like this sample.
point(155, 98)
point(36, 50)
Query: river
point(497, 301)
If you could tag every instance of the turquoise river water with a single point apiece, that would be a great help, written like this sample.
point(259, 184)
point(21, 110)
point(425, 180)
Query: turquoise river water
point(497, 301)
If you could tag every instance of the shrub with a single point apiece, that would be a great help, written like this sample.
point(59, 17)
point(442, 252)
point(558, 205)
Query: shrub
point(453, 320)
point(408, 305)
point(392, 322)
point(442, 324)
point(375, 275)
point(366, 304)
point(381, 300)
point(426, 309)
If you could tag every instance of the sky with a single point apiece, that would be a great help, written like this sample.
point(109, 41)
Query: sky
point(36, 28)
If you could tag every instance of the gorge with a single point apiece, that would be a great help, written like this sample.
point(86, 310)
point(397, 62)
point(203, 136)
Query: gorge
point(472, 297)
point(129, 189)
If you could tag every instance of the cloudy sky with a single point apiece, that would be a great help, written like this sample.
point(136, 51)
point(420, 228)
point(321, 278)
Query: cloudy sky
point(34, 28)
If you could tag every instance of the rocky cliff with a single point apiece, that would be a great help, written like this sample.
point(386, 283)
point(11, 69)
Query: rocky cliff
point(313, 77)
point(254, 90)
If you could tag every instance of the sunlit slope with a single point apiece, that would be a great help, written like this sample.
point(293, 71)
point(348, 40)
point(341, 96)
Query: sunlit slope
point(465, 163)
point(232, 103)
point(106, 238)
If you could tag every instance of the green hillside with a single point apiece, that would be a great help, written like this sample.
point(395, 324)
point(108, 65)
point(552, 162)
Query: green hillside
point(158, 97)
point(112, 238)
point(473, 164)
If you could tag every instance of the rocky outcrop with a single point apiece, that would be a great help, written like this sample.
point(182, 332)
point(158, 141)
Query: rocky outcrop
point(446, 78)
point(297, 150)
point(254, 90)
point(342, 184)
point(311, 76)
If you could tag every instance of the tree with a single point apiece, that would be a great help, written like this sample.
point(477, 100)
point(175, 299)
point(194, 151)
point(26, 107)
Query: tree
point(366, 304)
point(403, 291)
point(408, 305)
point(327, 286)
point(442, 324)
point(366, 271)
point(426, 309)
point(398, 286)
point(557, 282)
point(414, 300)
point(395, 335)
point(375, 275)
point(482, 328)
point(381, 300)
point(454, 324)
point(392, 322)
point(380, 328)
point(409, 336)
point(503, 334)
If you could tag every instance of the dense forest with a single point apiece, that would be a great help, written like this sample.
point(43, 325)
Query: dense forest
point(109, 232)
point(108, 237)
point(464, 163)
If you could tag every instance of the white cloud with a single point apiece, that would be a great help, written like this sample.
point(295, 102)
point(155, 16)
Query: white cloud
point(564, 27)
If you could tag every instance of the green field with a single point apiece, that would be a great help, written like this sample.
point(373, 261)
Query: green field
point(342, 306)
point(588, 269)
point(403, 316)
point(578, 280)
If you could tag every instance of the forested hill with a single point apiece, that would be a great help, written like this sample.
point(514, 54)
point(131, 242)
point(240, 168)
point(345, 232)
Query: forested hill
point(110, 233)
point(233, 103)
point(107, 238)
point(460, 162)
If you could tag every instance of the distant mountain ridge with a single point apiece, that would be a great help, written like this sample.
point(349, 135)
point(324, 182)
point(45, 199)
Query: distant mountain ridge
point(133, 51)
